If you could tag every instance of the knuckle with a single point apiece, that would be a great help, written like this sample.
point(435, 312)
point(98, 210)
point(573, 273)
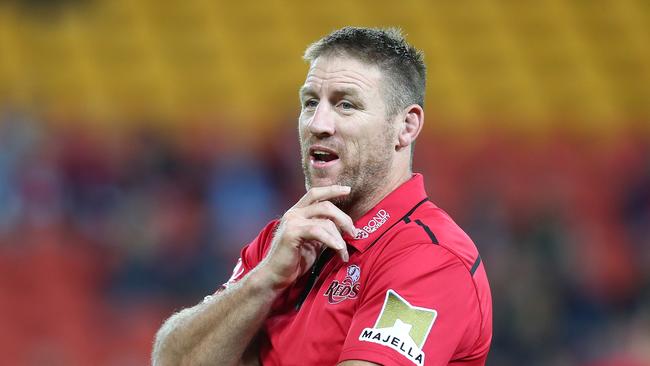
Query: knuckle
point(289, 226)
point(325, 223)
point(291, 215)
point(321, 206)
point(314, 230)
point(329, 206)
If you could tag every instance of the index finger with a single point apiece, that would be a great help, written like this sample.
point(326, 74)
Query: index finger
point(317, 194)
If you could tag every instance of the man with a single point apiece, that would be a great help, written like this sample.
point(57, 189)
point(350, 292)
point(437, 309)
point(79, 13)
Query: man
point(363, 270)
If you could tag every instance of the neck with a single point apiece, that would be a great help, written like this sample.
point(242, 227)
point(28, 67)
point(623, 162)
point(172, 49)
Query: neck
point(368, 202)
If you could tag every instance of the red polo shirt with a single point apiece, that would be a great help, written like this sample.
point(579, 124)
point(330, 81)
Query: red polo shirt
point(413, 292)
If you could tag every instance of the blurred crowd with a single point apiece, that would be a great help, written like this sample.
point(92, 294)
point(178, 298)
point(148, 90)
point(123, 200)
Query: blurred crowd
point(104, 233)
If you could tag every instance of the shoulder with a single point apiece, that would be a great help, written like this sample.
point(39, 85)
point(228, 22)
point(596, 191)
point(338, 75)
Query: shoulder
point(429, 234)
point(255, 250)
point(428, 262)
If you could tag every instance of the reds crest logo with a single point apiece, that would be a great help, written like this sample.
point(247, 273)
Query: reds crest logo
point(346, 289)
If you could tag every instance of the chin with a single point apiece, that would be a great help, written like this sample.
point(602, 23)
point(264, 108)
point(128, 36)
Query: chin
point(321, 182)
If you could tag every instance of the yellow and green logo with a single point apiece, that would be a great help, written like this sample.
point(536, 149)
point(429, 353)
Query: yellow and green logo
point(401, 326)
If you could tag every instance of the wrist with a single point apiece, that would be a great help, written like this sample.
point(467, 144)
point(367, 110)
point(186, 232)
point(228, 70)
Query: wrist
point(263, 281)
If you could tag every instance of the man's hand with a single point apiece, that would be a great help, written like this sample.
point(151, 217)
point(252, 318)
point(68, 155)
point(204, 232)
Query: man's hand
point(311, 224)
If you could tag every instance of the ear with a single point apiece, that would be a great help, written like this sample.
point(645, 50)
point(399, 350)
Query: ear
point(410, 126)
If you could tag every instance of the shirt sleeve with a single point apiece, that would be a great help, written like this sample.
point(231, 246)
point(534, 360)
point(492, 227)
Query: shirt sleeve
point(419, 307)
point(251, 255)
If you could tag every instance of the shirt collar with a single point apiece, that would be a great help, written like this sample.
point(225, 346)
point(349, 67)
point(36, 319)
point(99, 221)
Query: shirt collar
point(389, 211)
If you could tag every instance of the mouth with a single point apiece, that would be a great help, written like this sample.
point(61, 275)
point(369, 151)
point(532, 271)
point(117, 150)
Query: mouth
point(322, 157)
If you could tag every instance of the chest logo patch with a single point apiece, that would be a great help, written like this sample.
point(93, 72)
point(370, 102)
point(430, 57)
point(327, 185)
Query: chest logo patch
point(402, 327)
point(373, 224)
point(346, 289)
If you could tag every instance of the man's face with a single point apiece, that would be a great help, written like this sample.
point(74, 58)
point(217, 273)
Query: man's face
point(345, 136)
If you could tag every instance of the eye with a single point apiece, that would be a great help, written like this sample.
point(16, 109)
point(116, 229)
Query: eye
point(310, 103)
point(346, 105)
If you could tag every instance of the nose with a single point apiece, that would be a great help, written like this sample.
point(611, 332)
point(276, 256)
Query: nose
point(322, 122)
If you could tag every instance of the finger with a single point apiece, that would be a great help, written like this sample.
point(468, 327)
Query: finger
point(327, 235)
point(328, 210)
point(334, 231)
point(313, 244)
point(309, 251)
point(317, 194)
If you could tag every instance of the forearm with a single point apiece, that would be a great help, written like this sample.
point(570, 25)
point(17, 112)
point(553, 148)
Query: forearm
point(218, 330)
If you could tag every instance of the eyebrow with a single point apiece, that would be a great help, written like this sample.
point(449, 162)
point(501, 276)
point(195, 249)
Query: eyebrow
point(305, 90)
point(339, 92)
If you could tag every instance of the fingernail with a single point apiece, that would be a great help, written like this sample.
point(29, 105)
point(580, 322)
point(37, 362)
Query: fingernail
point(345, 188)
point(345, 256)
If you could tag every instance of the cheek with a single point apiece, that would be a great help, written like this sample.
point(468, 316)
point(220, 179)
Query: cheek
point(357, 142)
point(301, 130)
point(373, 146)
point(303, 127)
point(359, 148)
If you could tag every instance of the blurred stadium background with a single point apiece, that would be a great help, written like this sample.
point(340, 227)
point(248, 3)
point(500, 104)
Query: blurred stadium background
point(143, 142)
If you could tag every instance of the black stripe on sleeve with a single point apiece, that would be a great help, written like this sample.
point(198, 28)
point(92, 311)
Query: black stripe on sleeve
point(475, 265)
point(433, 238)
point(407, 218)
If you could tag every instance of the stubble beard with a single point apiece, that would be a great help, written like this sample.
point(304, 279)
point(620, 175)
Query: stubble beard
point(363, 176)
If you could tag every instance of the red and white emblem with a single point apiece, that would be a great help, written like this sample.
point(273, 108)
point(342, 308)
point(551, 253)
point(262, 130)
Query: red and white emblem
point(346, 289)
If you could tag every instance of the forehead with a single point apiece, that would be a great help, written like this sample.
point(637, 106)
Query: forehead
point(342, 71)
